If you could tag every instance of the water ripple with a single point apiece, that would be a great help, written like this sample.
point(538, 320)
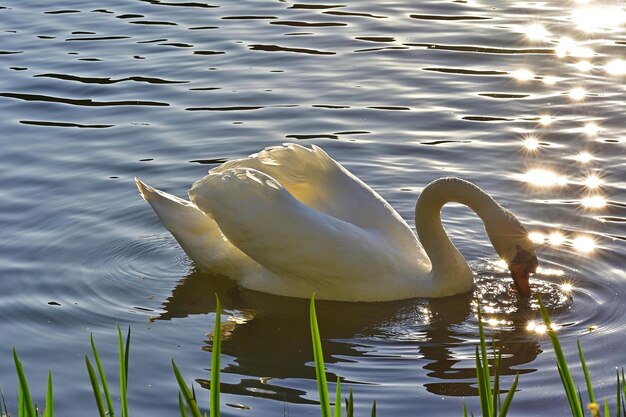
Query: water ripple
point(276, 48)
point(104, 81)
point(80, 102)
point(483, 49)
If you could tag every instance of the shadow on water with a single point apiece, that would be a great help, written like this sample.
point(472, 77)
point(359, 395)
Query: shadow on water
point(437, 335)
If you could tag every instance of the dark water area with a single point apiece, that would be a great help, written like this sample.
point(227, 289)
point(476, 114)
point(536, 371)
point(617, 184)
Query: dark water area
point(524, 99)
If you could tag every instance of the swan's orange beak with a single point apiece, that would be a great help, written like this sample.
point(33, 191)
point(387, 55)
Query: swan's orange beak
point(524, 264)
point(520, 274)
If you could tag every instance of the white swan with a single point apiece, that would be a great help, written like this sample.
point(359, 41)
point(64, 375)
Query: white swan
point(292, 221)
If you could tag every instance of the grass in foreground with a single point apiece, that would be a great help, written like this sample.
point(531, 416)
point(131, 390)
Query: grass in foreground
point(490, 403)
point(490, 394)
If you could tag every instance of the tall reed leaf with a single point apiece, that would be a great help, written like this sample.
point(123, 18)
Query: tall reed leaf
point(320, 372)
point(566, 377)
point(338, 398)
point(490, 396)
point(214, 404)
point(186, 393)
point(123, 359)
point(618, 399)
point(95, 387)
point(482, 370)
point(350, 405)
point(26, 401)
point(509, 398)
point(181, 406)
point(3, 405)
point(49, 411)
point(586, 372)
point(103, 379)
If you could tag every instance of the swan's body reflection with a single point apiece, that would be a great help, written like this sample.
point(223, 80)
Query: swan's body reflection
point(269, 338)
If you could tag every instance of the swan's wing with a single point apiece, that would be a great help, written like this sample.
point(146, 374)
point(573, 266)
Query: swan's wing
point(196, 232)
point(319, 182)
point(291, 239)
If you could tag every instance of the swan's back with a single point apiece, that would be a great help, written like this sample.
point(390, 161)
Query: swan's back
point(319, 182)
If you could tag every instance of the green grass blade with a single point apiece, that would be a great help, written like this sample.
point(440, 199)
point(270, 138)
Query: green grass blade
point(350, 405)
point(320, 372)
point(27, 402)
point(95, 387)
point(607, 411)
point(566, 377)
point(464, 409)
point(509, 398)
point(485, 399)
point(570, 393)
point(214, 403)
point(624, 398)
point(21, 403)
point(338, 399)
point(618, 399)
point(373, 414)
point(496, 380)
point(4, 410)
point(123, 376)
point(186, 393)
point(181, 406)
point(126, 354)
point(482, 383)
point(103, 379)
point(49, 411)
point(592, 398)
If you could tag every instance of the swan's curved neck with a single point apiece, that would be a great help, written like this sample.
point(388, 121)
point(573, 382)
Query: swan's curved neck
point(450, 273)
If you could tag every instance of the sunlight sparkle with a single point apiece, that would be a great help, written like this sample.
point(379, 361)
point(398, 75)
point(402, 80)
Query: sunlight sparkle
point(544, 178)
point(584, 244)
point(556, 238)
point(577, 93)
point(522, 75)
point(568, 47)
point(536, 32)
point(536, 237)
point(591, 129)
point(584, 157)
point(550, 80)
point(595, 201)
point(616, 67)
point(592, 19)
point(531, 143)
point(550, 271)
point(593, 181)
point(584, 66)
point(545, 119)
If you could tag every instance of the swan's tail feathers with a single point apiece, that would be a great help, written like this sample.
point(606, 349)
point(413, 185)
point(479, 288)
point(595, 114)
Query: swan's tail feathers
point(177, 215)
point(198, 234)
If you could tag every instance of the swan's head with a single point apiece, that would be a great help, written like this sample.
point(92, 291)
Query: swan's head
point(511, 242)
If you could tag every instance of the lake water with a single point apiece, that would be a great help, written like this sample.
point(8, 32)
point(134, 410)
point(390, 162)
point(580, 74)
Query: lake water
point(524, 99)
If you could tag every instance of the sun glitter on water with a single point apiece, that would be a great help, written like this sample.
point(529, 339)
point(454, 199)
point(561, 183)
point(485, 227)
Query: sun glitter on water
point(577, 93)
point(593, 202)
point(537, 32)
point(530, 143)
point(584, 157)
point(584, 244)
point(540, 177)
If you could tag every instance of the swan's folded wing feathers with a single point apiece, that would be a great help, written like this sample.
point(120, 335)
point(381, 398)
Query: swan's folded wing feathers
point(267, 223)
point(288, 164)
point(319, 182)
